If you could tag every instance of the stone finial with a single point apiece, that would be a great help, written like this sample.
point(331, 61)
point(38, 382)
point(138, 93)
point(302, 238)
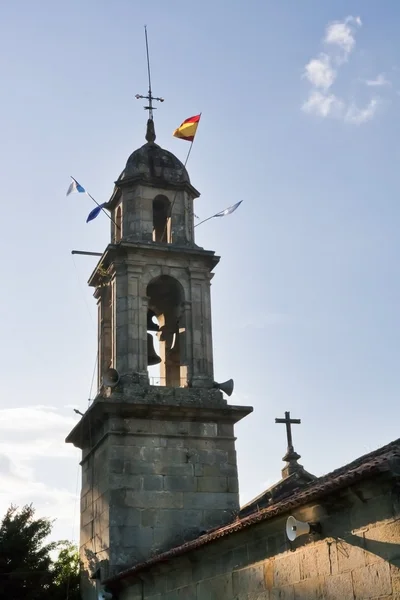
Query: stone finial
point(150, 132)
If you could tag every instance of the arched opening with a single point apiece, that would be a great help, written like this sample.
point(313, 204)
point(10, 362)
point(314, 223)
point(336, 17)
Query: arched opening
point(161, 219)
point(166, 302)
point(118, 224)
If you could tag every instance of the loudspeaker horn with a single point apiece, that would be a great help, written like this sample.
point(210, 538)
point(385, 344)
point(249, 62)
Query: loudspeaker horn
point(226, 386)
point(111, 378)
point(295, 528)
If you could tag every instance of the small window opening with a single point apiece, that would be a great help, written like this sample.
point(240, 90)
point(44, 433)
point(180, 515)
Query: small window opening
point(161, 220)
point(118, 225)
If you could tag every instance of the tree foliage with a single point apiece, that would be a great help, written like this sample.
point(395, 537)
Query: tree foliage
point(27, 570)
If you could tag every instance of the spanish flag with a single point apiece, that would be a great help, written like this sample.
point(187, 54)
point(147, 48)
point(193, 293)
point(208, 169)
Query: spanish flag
point(188, 129)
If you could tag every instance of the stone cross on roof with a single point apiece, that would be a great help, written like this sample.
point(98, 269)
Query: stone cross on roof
point(291, 457)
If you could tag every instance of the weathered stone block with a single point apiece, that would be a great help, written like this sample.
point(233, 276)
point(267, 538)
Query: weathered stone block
point(367, 512)
point(282, 593)
point(215, 589)
point(384, 540)
point(146, 499)
point(116, 465)
point(233, 484)
point(314, 561)
point(139, 467)
point(225, 429)
point(372, 581)
point(135, 593)
point(309, 589)
point(286, 570)
point(211, 518)
point(184, 593)
point(396, 584)
point(182, 519)
point(210, 500)
point(213, 484)
point(209, 457)
point(122, 516)
point(152, 482)
point(349, 557)
point(179, 578)
point(339, 587)
point(140, 537)
point(249, 580)
point(221, 470)
point(180, 483)
point(120, 481)
point(257, 550)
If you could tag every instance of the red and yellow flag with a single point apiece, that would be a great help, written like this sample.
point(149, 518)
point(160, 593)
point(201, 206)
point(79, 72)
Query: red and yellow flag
point(188, 129)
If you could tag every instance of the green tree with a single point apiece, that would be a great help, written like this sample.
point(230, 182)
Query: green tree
point(27, 571)
point(65, 573)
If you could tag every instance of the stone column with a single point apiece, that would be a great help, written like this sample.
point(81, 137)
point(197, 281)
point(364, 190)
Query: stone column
point(104, 331)
point(202, 369)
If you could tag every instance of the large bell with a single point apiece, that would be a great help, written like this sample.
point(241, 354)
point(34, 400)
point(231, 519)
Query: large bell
point(152, 356)
point(151, 326)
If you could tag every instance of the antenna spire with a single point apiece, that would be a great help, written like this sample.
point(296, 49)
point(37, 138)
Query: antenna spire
point(150, 126)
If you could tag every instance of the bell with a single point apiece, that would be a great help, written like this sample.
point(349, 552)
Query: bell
point(151, 326)
point(152, 356)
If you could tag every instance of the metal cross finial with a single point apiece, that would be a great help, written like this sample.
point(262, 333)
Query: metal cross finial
point(149, 96)
point(288, 422)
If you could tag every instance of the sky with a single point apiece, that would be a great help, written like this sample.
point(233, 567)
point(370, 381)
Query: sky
point(300, 107)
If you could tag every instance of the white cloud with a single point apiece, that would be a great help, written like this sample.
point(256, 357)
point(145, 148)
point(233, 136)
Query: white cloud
point(322, 72)
point(357, 116)
point(27, 436)
point(319, 72)
point(323, 105)
point(341, 34)
point(379, 81)
point(33, 419)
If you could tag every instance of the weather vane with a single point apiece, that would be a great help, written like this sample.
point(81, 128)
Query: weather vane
point(149, 96)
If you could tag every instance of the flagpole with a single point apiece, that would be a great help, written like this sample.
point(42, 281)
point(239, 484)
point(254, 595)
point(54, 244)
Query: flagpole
point(176, 192)
point(208, 218)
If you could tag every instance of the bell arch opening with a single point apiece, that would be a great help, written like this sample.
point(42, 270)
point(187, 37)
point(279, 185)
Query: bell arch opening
point(161, 219)
point(165, 303)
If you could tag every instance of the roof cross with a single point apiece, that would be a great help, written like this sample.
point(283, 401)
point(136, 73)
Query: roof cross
point(288, 422)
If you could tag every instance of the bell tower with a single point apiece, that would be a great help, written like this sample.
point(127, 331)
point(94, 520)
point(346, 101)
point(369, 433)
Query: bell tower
point(158, 454)
point(157, 273)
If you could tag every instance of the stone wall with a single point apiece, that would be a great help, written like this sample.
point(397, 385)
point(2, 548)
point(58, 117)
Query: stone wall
point(157, 470)
point(356, 557)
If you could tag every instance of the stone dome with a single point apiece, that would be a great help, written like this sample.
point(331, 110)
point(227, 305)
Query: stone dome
point(153, 164)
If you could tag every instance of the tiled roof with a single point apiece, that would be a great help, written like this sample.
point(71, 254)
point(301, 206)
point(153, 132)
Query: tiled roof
point(375, 462)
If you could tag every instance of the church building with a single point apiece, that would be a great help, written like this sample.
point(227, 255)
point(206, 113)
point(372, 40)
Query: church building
point(160, 513)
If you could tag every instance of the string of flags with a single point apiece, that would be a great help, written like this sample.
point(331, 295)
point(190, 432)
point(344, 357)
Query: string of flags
point(186, 131)
point(77, 187)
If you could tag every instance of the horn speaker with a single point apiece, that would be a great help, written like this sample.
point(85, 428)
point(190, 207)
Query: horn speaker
point(111, 378)
point(295, 528)
point(226, 387)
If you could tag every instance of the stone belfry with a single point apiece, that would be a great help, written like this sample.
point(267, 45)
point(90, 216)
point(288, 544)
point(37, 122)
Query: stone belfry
point(158, 455)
